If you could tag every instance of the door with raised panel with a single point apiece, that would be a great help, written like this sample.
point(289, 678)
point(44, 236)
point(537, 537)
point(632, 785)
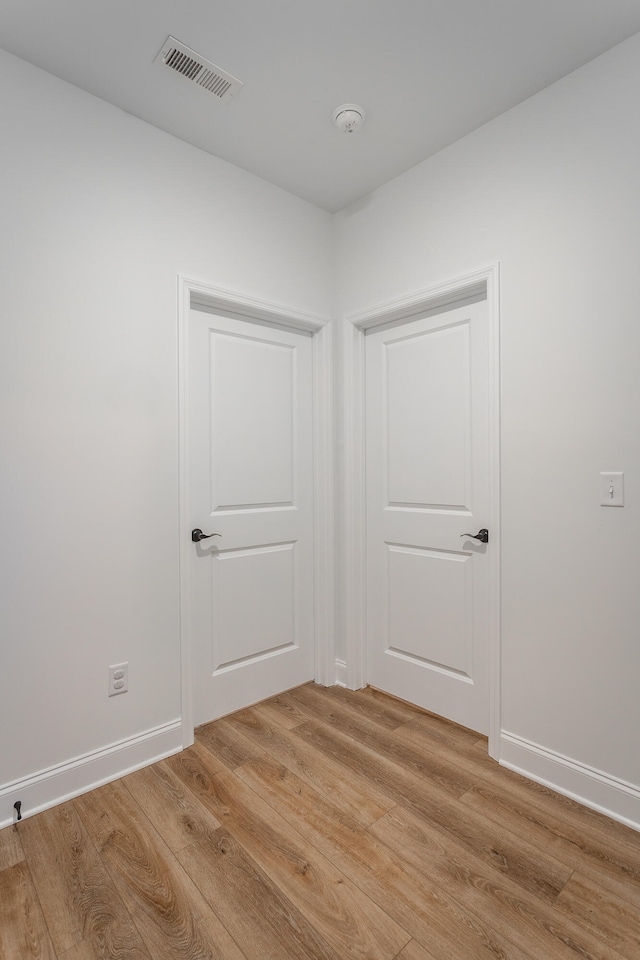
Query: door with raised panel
point(250, 442)
point(427, 472)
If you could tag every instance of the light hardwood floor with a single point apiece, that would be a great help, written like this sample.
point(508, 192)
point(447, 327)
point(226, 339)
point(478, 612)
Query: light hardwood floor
point(321, 824)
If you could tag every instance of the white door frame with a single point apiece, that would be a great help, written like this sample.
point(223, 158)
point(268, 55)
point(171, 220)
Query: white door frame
point(194, 292)
point(480, 282)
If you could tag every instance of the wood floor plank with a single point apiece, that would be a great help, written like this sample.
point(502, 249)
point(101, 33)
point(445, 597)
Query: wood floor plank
point(531, 925)
point(79, 951)
point(444, 740)
point(224, 742)
point(585, 820)
point(413, 711)
point(381, 709)
point(443, 730)
point(282, 710)
point(216, 935)
point(329, 901)
point(292, 705)
point(528, 866)
point(176, 815)
point(78, 898)
point(433, 767)
point(579, 843)
point(604, 914)
point(164, 902)
point(571, 818)
point(11, 851)
point(426, 911)
point(23, 931)
point(315, 817)
point(261, 919)
point(345, 788)
point(384, 713)
point(414, 951)
point(211, 934)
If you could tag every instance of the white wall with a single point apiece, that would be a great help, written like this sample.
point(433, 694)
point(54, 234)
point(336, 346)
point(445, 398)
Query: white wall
point(100, 213)
point(552, 191)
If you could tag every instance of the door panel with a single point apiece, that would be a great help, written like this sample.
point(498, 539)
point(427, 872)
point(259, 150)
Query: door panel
point(427, 469)
point(429, 587)
point(253, 462)
point(241, 631)
point(252, 483)
point(435, 471)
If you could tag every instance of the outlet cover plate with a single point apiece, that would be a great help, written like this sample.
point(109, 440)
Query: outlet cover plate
point(118, 678)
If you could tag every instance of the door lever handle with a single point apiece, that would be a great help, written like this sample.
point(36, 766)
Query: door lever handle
point(481, 535)
point(197, 535)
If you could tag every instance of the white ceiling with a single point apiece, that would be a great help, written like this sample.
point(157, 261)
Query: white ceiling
point(426, 71)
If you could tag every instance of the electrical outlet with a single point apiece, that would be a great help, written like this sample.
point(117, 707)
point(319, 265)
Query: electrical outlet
point(118, 679)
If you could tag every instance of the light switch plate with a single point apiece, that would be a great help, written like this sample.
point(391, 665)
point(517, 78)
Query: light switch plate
point(612, 489)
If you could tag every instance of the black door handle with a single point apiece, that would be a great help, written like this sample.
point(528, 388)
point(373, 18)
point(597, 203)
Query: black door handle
point(197, 535)
point(481, 535)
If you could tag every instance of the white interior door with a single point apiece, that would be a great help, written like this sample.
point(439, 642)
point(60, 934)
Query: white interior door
point(427, 471)
point(251, 482)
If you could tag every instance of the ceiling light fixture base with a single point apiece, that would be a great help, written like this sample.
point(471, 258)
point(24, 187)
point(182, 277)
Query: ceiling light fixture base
point(348, 117)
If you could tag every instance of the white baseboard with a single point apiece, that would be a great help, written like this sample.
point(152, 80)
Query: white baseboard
point(593, 788)
point(74, 777)
point(341, 673)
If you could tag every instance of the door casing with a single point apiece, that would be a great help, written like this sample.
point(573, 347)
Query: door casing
point(191, 292)
point(485, 283)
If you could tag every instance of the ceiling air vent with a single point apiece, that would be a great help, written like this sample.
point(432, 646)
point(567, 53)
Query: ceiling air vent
point(193, 67)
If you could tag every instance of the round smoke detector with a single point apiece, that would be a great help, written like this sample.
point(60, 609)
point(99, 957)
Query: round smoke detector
point(348, 117)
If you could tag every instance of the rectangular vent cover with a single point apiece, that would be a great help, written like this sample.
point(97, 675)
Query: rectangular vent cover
point(190, 65)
